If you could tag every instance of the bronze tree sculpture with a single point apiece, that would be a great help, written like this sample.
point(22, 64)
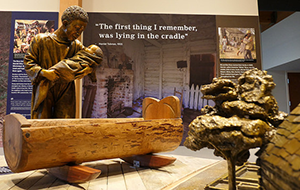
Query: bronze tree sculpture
point(245, 116)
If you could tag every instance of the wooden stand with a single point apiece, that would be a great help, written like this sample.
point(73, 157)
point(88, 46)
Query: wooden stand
point(149, 160)
point(75, 174)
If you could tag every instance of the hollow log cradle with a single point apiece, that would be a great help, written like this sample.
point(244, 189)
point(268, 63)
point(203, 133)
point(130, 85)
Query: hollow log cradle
point(31, 144)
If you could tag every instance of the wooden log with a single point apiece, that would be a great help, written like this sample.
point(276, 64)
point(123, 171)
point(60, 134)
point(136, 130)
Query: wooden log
point(33, 144)
point(27, 148)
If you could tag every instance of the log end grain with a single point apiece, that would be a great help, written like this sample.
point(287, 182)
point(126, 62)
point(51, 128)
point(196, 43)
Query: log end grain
point(12, 140)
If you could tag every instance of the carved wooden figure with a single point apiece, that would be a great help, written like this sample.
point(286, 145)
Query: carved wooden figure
point(31, 144)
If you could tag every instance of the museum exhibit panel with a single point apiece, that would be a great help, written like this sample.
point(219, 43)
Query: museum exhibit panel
point(108, 95)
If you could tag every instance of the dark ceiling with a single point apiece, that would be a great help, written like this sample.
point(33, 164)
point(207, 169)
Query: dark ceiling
point(273, 11)
point(279, 5)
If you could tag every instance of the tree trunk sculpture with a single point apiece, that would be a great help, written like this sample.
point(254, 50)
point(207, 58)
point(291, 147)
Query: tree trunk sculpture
point(245, 116)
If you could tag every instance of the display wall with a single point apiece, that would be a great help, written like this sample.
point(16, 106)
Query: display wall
point(213, 7)
point(152, 51)
point(159, 78)
point(30, 5)
point(7, 9)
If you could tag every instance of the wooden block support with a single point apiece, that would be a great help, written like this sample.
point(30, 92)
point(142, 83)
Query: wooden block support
point(149, 160)
point(44, 143)
point(75, 174)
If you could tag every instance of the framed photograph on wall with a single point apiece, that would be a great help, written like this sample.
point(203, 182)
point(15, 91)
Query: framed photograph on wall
point(237, 44)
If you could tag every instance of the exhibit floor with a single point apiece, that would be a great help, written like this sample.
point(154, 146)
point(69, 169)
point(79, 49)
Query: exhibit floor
point(191, 170)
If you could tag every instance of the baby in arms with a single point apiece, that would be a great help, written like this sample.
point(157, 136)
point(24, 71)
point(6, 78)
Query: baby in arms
point(84, 62)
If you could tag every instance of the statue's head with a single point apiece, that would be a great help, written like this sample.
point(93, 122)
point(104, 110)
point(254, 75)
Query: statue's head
point(74, 13)
point(74, 20)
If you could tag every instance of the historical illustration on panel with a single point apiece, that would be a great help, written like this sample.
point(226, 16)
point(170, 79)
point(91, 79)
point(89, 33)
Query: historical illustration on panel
point(237, 44)
point(25, 30)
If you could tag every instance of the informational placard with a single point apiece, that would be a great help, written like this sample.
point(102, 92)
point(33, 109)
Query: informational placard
point(24, 26)
point(238, 45)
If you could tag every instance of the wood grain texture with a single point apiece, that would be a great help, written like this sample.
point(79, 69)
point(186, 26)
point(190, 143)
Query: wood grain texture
point(12, 138)
point(75, 174)
point(168, 107)
point(44, 143)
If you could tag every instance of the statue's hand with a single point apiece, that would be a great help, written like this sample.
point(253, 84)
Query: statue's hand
point(49, 74)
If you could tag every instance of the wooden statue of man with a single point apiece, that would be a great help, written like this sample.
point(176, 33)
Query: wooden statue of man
point(53, 98)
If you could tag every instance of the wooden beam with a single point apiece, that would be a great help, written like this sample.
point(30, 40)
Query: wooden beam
point(65, 4)
point(78, 83)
